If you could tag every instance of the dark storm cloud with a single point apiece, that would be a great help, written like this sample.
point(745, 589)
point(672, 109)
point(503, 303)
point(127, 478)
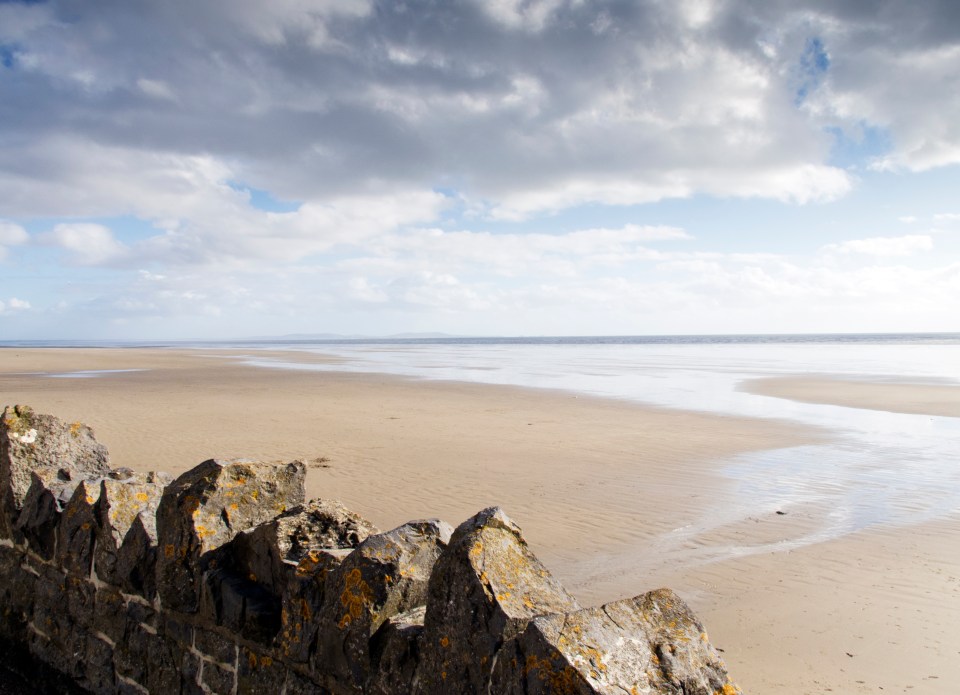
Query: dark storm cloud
point(526, 105)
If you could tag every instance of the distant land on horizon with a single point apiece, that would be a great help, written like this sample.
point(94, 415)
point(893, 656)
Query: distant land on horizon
point(355, 336)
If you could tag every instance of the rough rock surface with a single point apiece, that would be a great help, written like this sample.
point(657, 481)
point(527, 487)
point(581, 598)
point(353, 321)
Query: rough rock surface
point(122, 500)
point(269, 553)
point(302, 600)
point(206, 507)
point(78, 528)
point(649, 644)
point(386, 575)
point(395, 648)
point(486, 587)
point(49, 492)
point(31, 442)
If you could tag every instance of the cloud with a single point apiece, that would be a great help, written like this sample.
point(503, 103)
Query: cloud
point(87, 244)
point(11, 235)
point(883, 246)
point(13, 305)
point(580, 103)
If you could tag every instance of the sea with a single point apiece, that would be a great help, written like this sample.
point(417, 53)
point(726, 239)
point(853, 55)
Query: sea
point(871, 468)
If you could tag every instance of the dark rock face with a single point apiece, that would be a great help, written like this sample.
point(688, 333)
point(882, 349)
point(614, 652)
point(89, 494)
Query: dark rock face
point(206, 507)
point(222, 581)
point(485, 589)
point(78, 529)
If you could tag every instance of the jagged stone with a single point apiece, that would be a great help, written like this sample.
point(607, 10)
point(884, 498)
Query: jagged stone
point(78, 529)
point(650, 644)
point(122, 500)
point(135, 568)
point(50, 491)
point(386, 575)
point(302, 601)
point(241, 606)
point(30, 442)
point(269, 553)
point(395, 648)
point(486, 587)
point(206, 507)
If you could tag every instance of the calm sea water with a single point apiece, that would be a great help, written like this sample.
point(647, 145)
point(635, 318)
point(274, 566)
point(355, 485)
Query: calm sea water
point(877, 467)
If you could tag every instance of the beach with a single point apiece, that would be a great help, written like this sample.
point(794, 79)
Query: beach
point(611, 494)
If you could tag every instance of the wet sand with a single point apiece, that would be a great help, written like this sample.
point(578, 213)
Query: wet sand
point(594, 483)
point(892, 395)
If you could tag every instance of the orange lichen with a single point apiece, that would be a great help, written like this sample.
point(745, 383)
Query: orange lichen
point(356, 596)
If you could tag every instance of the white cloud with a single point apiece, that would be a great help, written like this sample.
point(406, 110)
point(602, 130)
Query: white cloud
point(11, 235)
point(14, 305)
point(883, 246)
point(947, 218)
point(88, 244)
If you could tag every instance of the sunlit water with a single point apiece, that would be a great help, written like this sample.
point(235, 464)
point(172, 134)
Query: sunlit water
point(877, 467)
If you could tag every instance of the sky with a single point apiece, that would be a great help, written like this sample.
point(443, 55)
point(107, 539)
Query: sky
point(234, 168)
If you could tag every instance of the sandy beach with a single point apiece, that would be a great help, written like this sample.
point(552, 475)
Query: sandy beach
point(596, 484)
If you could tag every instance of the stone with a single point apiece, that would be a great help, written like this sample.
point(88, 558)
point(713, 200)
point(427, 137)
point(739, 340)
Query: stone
point(395, 648)
point(78, 529)
point(16, 596)
point(217, 679)
point(122, 500)
point(258, 673)
point(239, 605)
point(269, 553)
point(30, 442)
point(649, 644)
point(136, 560)
point(98, 667)
point(50, 490)
point(206, 507)
point(302, 600)
point(386, 575)
point(486, 587)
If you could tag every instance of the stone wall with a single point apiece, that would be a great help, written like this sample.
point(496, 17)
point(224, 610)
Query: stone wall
point(226, 581)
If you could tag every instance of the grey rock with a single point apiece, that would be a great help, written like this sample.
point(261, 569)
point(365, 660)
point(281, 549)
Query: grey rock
point(395, 649)
point(302, 601)
point(50, 490)
point(136, 560)
point(385, 576)
point(122, 500)
point(30, 442)
point(269, 553)
point(486, 587)
point(78, 529)
point(651, 644)
point(206, 507)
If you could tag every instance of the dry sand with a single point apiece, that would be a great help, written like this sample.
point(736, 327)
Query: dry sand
point(594, 483)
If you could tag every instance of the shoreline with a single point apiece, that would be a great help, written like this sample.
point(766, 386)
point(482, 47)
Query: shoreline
point(598, 486)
